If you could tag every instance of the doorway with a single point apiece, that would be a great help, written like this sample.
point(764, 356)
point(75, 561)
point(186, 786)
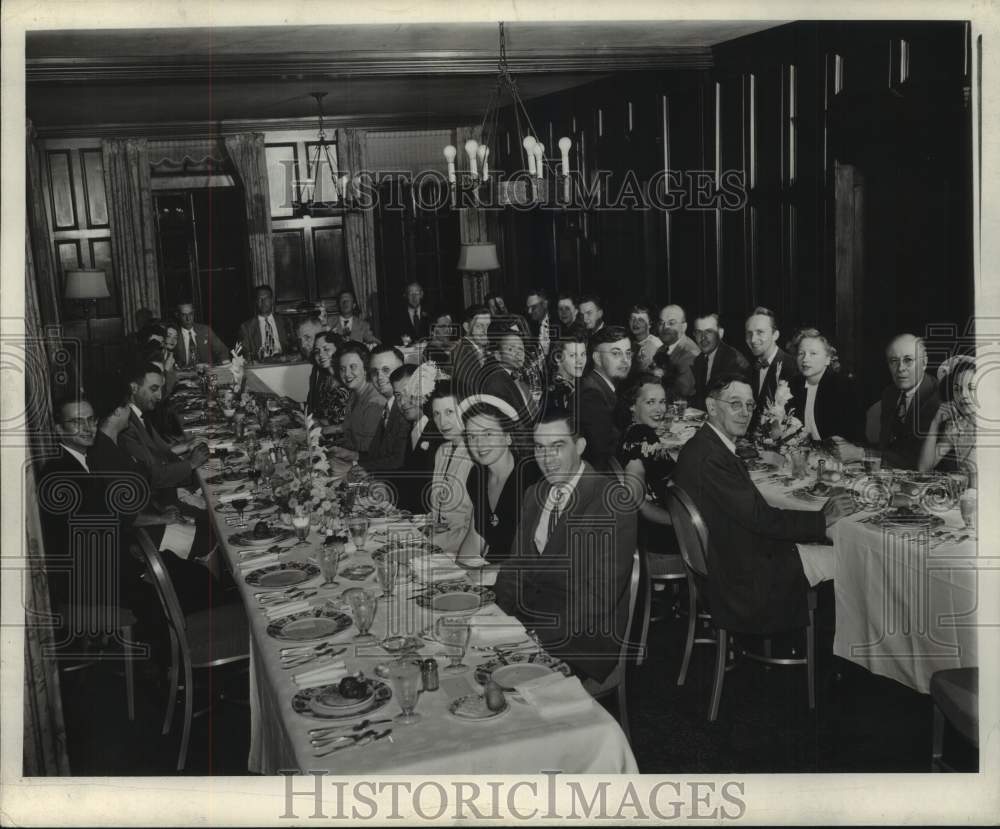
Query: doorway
point(202, 241)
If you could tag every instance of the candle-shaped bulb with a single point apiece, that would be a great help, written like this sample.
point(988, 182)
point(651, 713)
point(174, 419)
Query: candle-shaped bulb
point(540, 159)
point(484, 153)
point(343, 186)
point(449, 154)
point(472, 147)
point(529, 147)
point(564, 147)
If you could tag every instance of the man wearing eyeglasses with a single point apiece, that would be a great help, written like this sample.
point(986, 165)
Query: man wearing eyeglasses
point(611, 353)
point(756, 581)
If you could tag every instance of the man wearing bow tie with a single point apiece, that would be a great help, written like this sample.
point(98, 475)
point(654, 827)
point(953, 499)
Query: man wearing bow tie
point(263, 336)
point(769, 364)
point(568, 577)
point(197, 342)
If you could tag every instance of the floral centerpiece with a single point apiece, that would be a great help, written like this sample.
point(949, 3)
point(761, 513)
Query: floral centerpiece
point(237, 366)
point(421, 382)
point(309, 489)
point(778, 429)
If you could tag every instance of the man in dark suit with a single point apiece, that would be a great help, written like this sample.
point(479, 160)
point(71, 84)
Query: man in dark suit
point(168, 465)
point(716, 358)
point(422, 441)
point(770, 364)
point(570, 321)
point(264, 336)
point(348, 324)
point(611, 354)
point(412, 320)
point(679, 347)
point(909, 404)
point(756, 583)
point(197, 342)
point(568, 577)
point(503, 376)
point(468, 359)
point(388, 446)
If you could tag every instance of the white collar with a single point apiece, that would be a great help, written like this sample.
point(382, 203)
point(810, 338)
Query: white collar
point(76, 453)
point(138, 412)
point(729, 444)
point(265, 317)
point(565, 488)
point(600, 374)
point(771, 355)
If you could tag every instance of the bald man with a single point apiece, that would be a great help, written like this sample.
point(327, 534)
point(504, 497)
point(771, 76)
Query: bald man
point(680, 348)
point(307, 331)
point(909, 404)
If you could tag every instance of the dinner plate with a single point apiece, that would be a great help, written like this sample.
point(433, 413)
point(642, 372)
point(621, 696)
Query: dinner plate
point(309, 702)
point(256, 505)
point(309, 625)
point(473, 708)
point(519, 667)
point(332, 702)
point(407, 550)
point(908, 520)
point(455, 597)
point(285, 574)
point(248, 539)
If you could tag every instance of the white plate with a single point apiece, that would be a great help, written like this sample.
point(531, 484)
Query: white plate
point(473, 708)
point(508, 676)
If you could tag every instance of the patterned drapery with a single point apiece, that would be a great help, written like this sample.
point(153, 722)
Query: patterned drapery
point(49, 290)
point(359, 226)
point(130, 213)
point(248, 155)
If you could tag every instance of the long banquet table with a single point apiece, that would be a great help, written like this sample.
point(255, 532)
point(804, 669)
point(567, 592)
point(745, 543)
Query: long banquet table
point(519, 741)
point(907, 602)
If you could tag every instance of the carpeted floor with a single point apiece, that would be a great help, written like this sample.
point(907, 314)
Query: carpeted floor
point(862, 722)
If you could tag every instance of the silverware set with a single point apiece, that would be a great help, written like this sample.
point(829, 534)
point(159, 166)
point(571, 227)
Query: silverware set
point(293, 594)
point(351, 740)
point(325, 731)
point(328, 652)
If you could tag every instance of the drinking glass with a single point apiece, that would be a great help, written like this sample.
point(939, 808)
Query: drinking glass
point(239, 424)
point(406, 682)
point(240, 505)
point(386, 569)
point(454, 633)
point(358, 527)
point(301, 525)
point(800, 463)
point(329, 563)
point(968, 503)
point(266, 467)
point(253, 473)
point(363, 607)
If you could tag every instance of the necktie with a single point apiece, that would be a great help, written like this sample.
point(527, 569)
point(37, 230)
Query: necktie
point(268, 337)
point(187, 348)
point(901, 407)
point(347, 327)
point(385, 418)
point(149, 427)
point(557, 493)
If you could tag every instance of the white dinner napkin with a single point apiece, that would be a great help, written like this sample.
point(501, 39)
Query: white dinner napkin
point(491, 626)
point(324, 675)
point(286, 609)
point(242, 491)
point(192, 499)
point(436, 567)
point(178, 538)
point(221, 443)
point(555, 695)
point(256, 563)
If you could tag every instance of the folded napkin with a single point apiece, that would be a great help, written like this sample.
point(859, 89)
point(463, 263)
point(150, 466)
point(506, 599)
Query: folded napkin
point(324, 675)
point(555, 695)
point(436, 567)
point(221, 443)
point(255, 563)
point(242, 491)
point(491, 626)
point(192, 499)
point(286, 609)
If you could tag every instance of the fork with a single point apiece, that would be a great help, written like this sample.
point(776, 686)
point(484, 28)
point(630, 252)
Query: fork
point(362, 739)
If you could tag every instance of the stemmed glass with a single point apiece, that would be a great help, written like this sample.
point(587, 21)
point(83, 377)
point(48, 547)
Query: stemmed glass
point(454, 633)
point(240, 505)
point(357, 525)
point(386, 569)
point(363, 607)
point(329, 562)
point(253, 473)
point(266, 468)
point(301, 524)
point(406, 684)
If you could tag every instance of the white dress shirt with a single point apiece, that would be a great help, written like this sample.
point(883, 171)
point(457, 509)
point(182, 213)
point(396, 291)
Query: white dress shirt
point(190, 344)
point(418, 430)
point(810, 413)
point(263, 322)
point(558, 494)
point(762, 372)
point(77, 454)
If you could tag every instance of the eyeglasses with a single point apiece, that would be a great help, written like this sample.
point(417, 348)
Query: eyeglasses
point(80, 422)
point(737, 405)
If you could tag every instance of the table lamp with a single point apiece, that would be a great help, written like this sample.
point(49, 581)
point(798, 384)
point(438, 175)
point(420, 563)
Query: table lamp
point(86, 287)
point(478, 259)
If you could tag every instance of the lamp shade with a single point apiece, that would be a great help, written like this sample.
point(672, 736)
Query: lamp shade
point(478, 257)
point(86, 284)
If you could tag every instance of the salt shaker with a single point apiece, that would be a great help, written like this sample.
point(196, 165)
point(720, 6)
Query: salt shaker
point(429, 674)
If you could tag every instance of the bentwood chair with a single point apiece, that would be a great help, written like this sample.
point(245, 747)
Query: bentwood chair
point(692, 535)
point(203, 639)
point(955, 693)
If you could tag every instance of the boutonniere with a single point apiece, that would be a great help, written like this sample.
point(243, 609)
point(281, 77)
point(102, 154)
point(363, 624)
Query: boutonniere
point(425, 445)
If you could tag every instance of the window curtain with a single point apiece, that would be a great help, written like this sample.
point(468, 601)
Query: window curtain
point(359, 226)
point(49, 285)
point(44, 750)
point(130, 213)
point(248, 155)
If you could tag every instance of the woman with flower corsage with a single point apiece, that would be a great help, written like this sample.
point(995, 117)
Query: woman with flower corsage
point(327, 397)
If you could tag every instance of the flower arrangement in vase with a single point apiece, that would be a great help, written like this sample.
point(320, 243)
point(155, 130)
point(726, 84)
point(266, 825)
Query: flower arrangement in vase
point(778, 429)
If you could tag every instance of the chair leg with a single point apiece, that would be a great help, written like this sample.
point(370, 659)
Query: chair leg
point(811, 658)
point(623, 710)
point(129, 672)
point(646, 611)
point(168, 719)
point(692, 623)
point(188, 714)
point(937, 740)
point(721, 649)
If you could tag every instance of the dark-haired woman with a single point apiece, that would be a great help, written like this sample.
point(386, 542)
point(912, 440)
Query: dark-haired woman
point(327, 398)
point(496, 485)
point(567, 362)
point(951, 439)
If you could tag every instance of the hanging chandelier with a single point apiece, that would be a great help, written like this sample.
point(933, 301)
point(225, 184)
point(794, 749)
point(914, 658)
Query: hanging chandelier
point(540, 180)
point(318, 195)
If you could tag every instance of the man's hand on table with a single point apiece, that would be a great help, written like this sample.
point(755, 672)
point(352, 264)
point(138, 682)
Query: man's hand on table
point(836, 507)
point(846, 451)
point(199, 455)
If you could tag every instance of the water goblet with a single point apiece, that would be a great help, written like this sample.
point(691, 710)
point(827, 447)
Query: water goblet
point(329, 562)
point(363, 604)
point(265, 465)
point(386, 569)
point(406, 679)
point(239, 424)
point(253, 473)
point(240, 505)
point(301, 524)
point(454, 633)
point(358, 527)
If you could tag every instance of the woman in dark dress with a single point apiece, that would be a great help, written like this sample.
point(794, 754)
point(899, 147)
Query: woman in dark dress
point(822, 398)
point(496, 485)
point(567, 361)
point(327, 397)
